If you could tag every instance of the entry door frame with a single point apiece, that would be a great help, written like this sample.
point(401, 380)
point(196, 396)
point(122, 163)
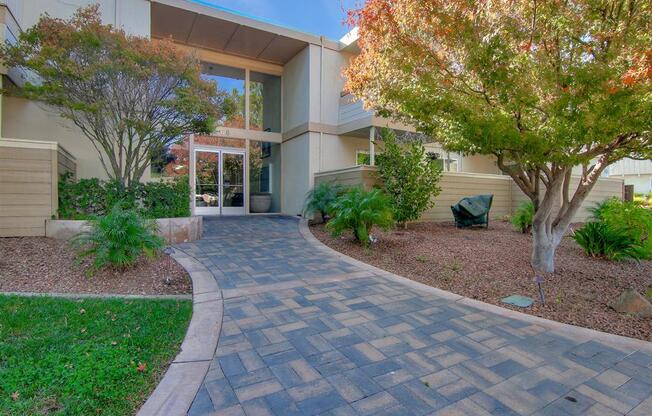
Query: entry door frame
point(219, 210)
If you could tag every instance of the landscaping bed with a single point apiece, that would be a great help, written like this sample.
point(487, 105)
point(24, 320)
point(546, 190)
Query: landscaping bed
point(491, 264)
point(39, 264)
point(85, 357)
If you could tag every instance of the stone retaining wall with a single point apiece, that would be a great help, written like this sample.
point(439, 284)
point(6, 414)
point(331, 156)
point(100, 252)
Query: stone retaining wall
point(174, 230)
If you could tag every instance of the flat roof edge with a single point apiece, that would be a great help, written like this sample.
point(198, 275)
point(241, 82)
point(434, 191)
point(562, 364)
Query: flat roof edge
point(205, 8)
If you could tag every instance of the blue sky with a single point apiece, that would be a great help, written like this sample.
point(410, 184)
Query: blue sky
point(319, 17)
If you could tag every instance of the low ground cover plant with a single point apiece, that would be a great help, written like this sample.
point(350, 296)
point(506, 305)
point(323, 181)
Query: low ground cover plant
point(321, 198)
point(619, 229)
point(359, 211)
point(87, 198)
point(118, 239)
point(85, 357)
point(523, 216)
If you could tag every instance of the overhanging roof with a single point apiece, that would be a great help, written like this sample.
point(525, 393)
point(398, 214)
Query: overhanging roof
point(212, 28)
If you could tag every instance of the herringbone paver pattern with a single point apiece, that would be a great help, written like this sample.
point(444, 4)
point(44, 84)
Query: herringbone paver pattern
point(306, 333)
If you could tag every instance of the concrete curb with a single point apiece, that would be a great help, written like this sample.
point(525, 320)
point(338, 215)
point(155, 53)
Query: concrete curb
point(96, 295)
point(177, 390)
point(573, 332)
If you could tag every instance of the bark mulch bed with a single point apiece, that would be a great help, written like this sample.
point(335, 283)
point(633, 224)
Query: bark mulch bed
point(491, 264)
point(39, 264)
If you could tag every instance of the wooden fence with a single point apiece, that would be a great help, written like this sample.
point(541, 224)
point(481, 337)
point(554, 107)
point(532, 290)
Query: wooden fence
point(455, 186)
point(29, 173)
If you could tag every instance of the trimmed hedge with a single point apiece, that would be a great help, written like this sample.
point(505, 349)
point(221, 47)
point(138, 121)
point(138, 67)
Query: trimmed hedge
point(87, 198)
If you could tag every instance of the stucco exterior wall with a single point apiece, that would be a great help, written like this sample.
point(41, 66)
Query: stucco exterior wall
point(642, 183)
point(25, 119)
point(295, 173)
point(338, 152)
point(296, 91)
point(480, 164)
point(131, 15)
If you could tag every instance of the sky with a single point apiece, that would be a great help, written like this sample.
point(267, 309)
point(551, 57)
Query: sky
point(318, 17)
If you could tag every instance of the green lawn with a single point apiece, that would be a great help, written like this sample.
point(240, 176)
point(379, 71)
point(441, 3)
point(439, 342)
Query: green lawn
point(81, 357)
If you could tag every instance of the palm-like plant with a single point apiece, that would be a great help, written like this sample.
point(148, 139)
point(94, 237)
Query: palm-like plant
point(118, 239)
point(320, 199)
point(359, 210)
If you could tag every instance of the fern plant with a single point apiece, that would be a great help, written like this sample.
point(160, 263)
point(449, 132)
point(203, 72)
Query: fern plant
point(359, 211)
point(118, 239)
point(629, 218)
point(598, 239)
point(321, 198)
point(523, 216)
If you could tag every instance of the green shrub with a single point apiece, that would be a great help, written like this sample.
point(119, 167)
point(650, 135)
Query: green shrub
point(629, 218)
point(522, 218)
point(598, 239)
point(321, 198)
point(359, 210)
point(410, 178)
point(87, 198)
point(118, 239)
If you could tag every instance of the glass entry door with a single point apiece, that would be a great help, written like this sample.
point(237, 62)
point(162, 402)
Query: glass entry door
point(219, 182)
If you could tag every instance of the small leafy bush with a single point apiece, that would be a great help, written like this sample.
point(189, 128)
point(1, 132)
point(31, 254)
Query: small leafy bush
point(409, 177)
point(628, 218)
point(598, 239)
point(320, 199)
point(118, 239)
point(87, 198)
point(359, 211)
point(522, 218)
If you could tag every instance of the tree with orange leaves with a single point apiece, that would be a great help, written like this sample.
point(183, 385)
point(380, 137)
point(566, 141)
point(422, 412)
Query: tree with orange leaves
point(130, 96)
point(551, 88)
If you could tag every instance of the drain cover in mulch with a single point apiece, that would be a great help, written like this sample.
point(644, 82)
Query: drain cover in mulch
point(518, 300)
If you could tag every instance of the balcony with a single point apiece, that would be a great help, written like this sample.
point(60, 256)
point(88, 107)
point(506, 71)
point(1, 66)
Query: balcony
point(354, 120)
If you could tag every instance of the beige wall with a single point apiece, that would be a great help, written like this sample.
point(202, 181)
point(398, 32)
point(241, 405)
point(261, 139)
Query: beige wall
point(642, 183)
point(131, 15)
point(29, 171)
point(362, 175)
point(295, 173)
point(296, 88)
point(25, 119)
point(338, 152)
point(455, 186)
point(480, 164)
point(604, 189)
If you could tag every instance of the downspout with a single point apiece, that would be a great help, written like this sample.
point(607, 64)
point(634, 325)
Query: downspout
point(321, 101)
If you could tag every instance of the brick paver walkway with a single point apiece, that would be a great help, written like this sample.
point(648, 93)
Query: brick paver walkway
point(306, 333)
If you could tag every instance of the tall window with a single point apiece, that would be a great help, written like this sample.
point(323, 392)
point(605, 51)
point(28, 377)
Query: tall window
point(264, 102)
point(230, 84)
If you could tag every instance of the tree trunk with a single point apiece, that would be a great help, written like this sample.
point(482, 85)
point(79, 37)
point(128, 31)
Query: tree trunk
point(544, 245)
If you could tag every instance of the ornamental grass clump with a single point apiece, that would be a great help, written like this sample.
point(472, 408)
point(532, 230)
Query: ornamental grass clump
point(359, 211)
point(118, 239)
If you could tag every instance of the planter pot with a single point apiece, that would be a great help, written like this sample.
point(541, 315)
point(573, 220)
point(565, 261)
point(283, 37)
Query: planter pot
point(173, 230)
point(261, 202)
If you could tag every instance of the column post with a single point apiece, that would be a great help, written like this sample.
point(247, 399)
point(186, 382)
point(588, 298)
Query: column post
point(372, 147)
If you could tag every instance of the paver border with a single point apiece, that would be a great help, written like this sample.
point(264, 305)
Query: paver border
point(177, 389)
point(576, 333)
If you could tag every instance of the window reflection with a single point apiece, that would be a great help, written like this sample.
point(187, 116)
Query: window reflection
point(264, 102)
point(264, 177)
point(230, 84)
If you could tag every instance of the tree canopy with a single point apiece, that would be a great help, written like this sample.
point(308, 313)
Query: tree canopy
point(131, 96)
point(543, 85)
